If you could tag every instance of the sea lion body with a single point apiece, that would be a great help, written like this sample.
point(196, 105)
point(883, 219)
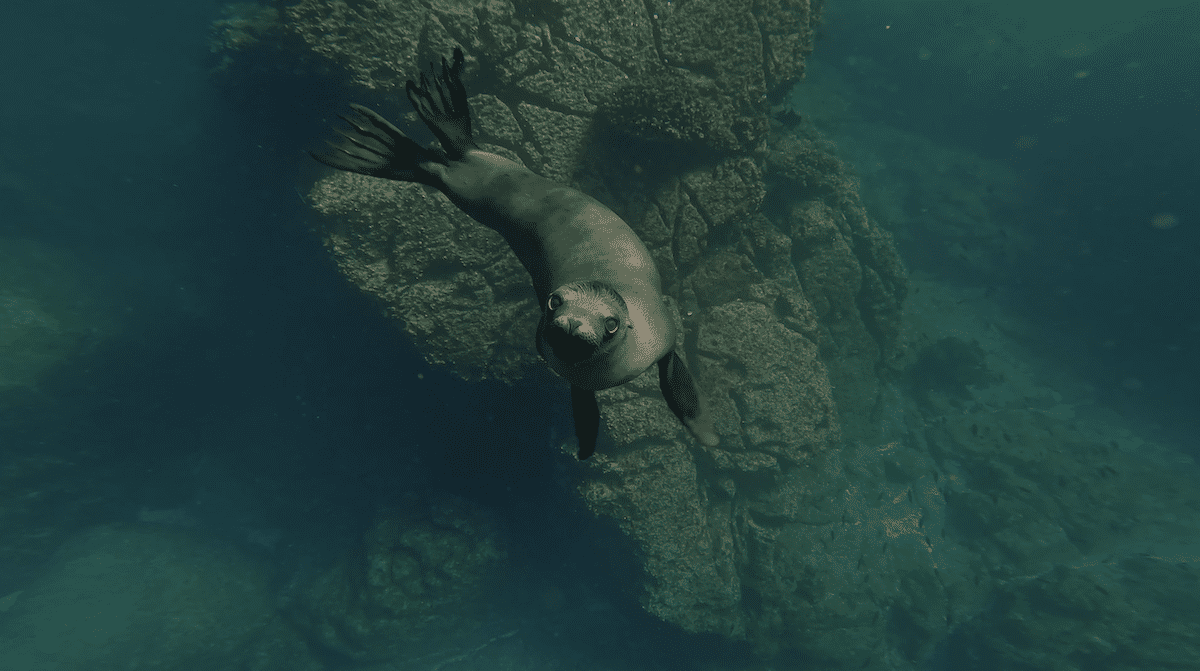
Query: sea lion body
point(562, 235)
point(603, 321)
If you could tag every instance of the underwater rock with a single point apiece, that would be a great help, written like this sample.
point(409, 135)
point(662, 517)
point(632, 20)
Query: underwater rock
point(788, 295)
point(244, 25)
point(418, 585)
point(139, 597)
point(668, 114)
point(32, 341)
point(949, 366)
point(452, 284)
point(47, 313)
point(1075, 536)
point(1132, 613)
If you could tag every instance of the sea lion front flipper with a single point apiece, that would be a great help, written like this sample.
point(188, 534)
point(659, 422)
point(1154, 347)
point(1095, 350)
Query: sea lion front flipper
point(679, 390)
point(587, 419)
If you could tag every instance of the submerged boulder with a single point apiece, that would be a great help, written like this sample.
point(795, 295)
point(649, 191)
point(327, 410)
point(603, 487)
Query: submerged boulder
point(787, 295)
point(139, 597)
point(47, 313)
point(419, 584)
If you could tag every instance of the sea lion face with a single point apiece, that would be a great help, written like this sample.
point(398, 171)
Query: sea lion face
point(583, 320)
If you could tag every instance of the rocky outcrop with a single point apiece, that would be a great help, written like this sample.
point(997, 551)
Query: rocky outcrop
point(850, 518)
point(48, 314)
point(145, 596)
point(419, 584)
point(788, 297)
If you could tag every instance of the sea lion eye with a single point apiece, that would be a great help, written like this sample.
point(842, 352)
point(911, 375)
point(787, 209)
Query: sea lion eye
point(554, 302)
point(611, 325)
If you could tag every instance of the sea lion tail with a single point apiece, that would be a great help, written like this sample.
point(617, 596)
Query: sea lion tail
point(447, 114)
point(375, 147)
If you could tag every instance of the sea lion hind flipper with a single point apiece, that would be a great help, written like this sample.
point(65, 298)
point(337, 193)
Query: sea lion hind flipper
point(447, 113)
point(375, 147)
point(679, 390)
point(587, 419)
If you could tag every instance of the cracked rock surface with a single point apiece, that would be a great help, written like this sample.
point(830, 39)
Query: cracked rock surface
point(419, 583)
point(788, 295)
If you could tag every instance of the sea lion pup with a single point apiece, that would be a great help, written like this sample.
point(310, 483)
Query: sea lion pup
point(603, 318)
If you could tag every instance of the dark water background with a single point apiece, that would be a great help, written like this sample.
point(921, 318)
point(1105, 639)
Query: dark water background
point(248, 383)
point(180, 199)
point(1121, 295)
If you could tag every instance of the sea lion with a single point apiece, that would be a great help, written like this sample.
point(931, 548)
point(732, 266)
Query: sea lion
point(603, 317)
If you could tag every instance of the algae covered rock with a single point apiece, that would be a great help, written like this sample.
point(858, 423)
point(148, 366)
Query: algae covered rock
point(46, 312)
point(138, 597)
point(452, 284)
point(669, 111)
point(1137, 612)
point(32, 340)
point(788, 300)
point(419, 584)
point(839, 521)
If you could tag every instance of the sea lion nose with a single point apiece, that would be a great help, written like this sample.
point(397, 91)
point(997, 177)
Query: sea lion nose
point(569, 324)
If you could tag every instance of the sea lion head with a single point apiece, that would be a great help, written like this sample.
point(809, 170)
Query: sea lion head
point(582, 320)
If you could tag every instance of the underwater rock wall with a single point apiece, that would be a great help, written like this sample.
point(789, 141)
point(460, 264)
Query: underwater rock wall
point(1067, 538)
point(789, 297)
point(420, 583)
point(48, 313)
point(145, 596)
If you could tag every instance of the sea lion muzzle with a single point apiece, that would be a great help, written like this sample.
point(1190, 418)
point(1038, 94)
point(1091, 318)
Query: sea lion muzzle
point(568, 343)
